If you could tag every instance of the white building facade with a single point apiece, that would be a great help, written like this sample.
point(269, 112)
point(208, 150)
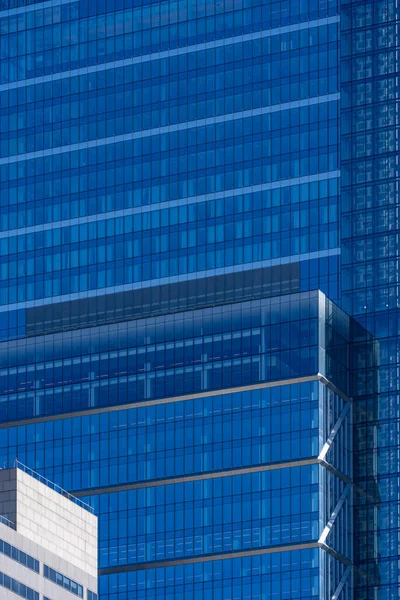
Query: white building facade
point(48, 540)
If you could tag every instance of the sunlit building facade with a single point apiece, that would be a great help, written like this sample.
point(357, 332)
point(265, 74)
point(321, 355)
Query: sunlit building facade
point(199, 287)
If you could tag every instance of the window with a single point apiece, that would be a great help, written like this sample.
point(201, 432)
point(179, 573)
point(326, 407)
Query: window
point(24, 559)
point(63, 581)
point(18, 588)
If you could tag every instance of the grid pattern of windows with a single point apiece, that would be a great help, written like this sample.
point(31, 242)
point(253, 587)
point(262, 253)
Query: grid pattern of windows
point(370, 277)
point(67, 37)
point(17, 587)
point(154, 245)
point(19, 556)
point(289, 575)
point(147, 146)
point(99, 258)
point(221, 515)
point(256, 429)
point(307, 48)
point(190, 352)
point(63, 581)
point(191, 144)
point(217, 433)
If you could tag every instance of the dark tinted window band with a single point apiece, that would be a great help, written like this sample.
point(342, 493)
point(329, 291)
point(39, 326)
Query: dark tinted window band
point(251, 284)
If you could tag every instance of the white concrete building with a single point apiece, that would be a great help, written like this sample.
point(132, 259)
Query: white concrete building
point(48, 540)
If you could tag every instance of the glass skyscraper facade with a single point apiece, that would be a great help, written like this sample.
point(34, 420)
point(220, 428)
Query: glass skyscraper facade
point(199, 287)
point(370, 274)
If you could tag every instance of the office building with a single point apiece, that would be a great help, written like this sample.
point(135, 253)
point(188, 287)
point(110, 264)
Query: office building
point(199, 287)
point(220, 461)
point(48, 540)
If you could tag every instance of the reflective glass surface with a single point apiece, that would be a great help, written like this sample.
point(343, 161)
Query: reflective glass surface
point(188, 352)
point(177, 179)
point(291, 575)
point(199, 474)
point(370, 278)
point(217, 433)
point(140, 143)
